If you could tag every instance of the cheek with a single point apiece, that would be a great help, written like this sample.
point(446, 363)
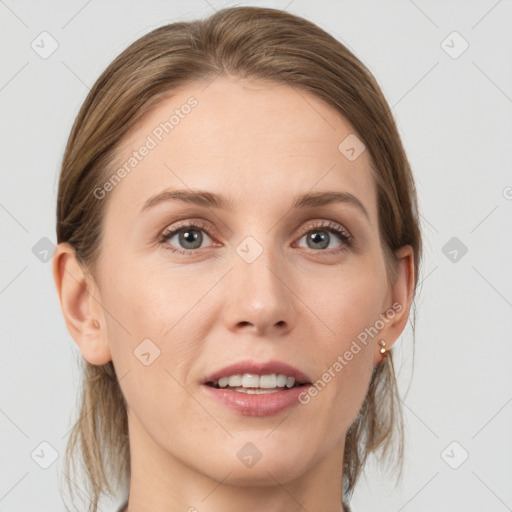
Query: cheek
point(353, 304)
point(148, 300)
point(347, 352)
point(156, 312)
point(150, 349)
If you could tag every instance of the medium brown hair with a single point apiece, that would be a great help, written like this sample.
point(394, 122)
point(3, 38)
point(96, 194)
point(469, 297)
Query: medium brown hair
point(242, 42)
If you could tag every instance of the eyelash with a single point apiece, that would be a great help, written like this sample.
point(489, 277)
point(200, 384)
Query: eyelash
point(331, 226)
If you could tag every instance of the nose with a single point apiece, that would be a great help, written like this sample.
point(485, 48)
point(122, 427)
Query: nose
point(261, 300)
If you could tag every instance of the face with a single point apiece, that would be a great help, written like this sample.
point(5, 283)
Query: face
point(252, 280)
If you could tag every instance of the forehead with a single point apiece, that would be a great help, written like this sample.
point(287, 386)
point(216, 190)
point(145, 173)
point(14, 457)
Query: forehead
point(244, 138)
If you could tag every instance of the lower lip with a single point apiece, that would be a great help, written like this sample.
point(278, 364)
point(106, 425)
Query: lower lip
point(265, 404)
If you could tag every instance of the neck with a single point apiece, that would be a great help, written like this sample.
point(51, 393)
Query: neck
point(161, 482)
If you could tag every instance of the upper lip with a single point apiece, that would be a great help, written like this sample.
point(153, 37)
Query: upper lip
point(259, 368)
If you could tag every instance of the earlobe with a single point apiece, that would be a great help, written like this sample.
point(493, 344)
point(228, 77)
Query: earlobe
point(80, 304)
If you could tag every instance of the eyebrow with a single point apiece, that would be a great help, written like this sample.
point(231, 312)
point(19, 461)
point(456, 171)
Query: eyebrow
point(211, 200)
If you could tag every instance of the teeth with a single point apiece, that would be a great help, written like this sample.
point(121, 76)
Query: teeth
point(268, 381)
point(281, 381)
point(255, 391)
point(235, 380)
point(251, 381)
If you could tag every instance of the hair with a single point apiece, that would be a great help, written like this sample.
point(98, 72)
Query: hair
point(243, 43)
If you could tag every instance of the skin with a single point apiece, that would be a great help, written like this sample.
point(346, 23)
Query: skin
point(261, 145)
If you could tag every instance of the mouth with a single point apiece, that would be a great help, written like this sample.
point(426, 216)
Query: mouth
point(253, 388)
point(267, 376)
point(254, 384)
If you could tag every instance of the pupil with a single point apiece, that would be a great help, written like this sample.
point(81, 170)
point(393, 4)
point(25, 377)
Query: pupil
point(320, 236)
point(189, 237)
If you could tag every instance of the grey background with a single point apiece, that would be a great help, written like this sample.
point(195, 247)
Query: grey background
point(455, 117)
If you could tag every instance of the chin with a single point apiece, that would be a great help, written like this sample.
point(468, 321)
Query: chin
point(262, 466)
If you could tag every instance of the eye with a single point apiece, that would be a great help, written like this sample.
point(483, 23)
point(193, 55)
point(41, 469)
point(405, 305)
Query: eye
point(189, 237)
point(318, 237)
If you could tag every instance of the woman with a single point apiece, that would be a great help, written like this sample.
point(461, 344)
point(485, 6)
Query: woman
point(238, 251)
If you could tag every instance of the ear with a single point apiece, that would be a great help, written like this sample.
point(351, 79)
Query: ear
point(80, 302)
point(399, 300)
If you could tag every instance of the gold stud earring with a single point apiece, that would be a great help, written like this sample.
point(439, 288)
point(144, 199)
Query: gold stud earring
point(383, 349)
